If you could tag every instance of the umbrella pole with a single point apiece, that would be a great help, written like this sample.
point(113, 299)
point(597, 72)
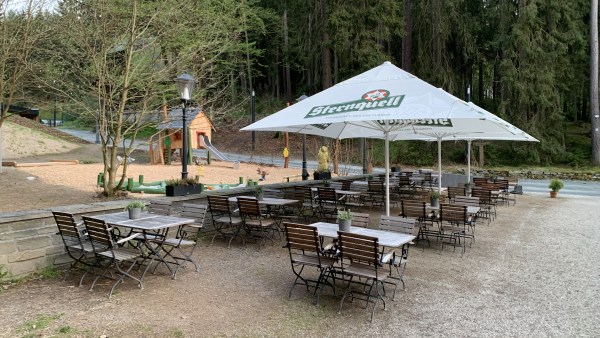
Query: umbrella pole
point(439, 165)
point(387, 173)
point(468, 161)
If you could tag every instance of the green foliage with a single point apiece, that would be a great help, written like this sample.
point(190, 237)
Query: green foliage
point(136, 204)
point(38, 324)
point(180, 181)
point(50, 272)
point(556, 184)
point(344, 215)
point(434, 194)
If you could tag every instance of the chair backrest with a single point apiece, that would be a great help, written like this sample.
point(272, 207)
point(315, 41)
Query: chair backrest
point(326, 195)
point(427, 177)
point(360, 220)
point(466, 200)
point(484, 195)
point(456, 191)
point(346, 184)
point(478, 181)
point(403, 181)
point(358, 249)
point(302, 239)
point(397, 224)
point(218, 205)
point(413, 208)
point(99, 234)
point(67, 228)
point(407, 173)
point(160, 207)
point(195, 211)
point(502, 183)
point(490, 186)
point(453, 213)
point(306, 191)
point(248, 207)
point(375, 186)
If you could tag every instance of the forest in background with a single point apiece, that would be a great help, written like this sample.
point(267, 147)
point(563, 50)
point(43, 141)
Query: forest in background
point(526, 61)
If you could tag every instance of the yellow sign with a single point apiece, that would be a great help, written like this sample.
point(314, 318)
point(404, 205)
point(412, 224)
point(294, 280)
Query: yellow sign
point(286, 153)
point(201, 170)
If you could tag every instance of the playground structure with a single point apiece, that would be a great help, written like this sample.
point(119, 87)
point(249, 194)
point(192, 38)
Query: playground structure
point(170, 136)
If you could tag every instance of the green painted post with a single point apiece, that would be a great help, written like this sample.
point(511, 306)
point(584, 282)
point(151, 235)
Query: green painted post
point(141, 179)
point(129, 183)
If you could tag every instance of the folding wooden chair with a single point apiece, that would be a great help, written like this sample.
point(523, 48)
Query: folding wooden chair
point(398, 262)
point(225, 222)
point(181, 247)
point(254, 221)
point(111, 254)
point(360, 258)
point(77, 246)
point(305, 250)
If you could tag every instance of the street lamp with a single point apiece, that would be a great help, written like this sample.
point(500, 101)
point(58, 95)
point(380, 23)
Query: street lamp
point(304, 169)
point(185, 84)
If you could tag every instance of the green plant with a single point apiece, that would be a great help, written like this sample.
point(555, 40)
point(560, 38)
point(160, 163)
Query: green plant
point(258, 189)
point(180, 181)
point(136, 204)
point(434, 194)
point(50, 272)
point(344, 215)
point(556, 184)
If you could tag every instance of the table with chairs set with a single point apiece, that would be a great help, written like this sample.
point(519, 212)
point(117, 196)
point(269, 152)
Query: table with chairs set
point(368, 264)
point(113, 246)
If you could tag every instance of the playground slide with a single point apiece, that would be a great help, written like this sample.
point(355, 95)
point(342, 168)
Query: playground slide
point(214, 150)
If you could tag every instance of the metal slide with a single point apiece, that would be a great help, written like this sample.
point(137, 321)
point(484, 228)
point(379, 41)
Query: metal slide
point(216, 153)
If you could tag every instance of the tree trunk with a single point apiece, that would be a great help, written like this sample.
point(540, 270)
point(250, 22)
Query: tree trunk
point(594, 111)
point(407, 39)
point(325, 54)
point(288, 80)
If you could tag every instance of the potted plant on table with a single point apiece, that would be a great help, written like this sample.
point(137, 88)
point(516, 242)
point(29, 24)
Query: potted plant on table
point(344, 218)
point(555, 185)
point(259, 193)
point(135, 209)
point(434, 198)
point(322, 172)
point(182, 187)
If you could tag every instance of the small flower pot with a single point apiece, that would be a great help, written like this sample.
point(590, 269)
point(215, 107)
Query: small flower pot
point(135, 213)
point(344, 224)
point(435, 202)
point(553, 194)
point(260, 196)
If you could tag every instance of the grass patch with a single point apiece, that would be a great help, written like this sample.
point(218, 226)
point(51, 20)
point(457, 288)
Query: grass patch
point(50, 272)
point(32, 327)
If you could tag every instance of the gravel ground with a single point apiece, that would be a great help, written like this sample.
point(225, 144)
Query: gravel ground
point(532, 272)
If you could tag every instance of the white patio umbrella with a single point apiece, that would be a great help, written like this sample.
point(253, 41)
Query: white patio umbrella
point(504, 132)
point(379, 103)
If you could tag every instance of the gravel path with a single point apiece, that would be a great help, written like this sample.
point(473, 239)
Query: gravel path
point(533, 272)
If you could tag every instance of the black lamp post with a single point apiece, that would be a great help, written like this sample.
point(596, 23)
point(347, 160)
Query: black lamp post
point(304, 169)
point(185, 84)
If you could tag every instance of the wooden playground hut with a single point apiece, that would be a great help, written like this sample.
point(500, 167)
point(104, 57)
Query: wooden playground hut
point(170, 136)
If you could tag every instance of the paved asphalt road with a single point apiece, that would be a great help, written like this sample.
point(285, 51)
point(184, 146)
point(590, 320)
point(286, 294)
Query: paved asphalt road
point(579, 188)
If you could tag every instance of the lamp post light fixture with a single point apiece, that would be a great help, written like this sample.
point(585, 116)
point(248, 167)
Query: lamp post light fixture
point(304, 169)
point(185, 84)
